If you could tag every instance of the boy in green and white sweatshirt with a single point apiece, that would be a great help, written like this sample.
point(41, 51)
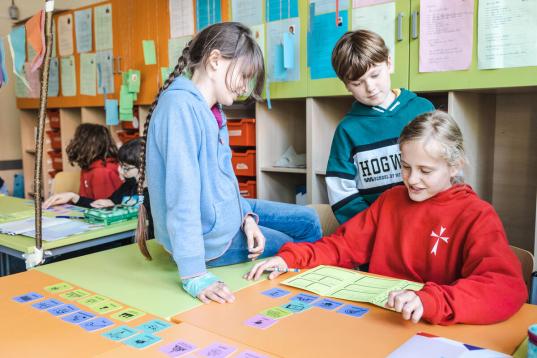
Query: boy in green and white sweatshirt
point(365, 159)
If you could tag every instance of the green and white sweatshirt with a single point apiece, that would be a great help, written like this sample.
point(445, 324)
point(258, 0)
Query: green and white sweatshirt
point(365, 159)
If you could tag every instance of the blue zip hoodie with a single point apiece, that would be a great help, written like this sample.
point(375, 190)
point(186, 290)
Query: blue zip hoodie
point(195, 201)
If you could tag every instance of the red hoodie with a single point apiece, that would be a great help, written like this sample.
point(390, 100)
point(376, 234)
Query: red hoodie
point(453, 242)
point(100, 181)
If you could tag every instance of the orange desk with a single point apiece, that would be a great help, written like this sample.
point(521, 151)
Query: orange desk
point(320, 333)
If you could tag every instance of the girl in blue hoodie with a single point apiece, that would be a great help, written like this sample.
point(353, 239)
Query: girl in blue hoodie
point(198, 213)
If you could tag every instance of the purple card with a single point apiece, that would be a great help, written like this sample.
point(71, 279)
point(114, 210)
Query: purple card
point(46, 304)
point(250, 354)
point(217, 350)
point(78, 317)
point(275, 292)
point(327, 304)
point(63, 309)
point(177, 349)
point(30, 296)
point(304, 298)
point(260, 321)
point(355, 311)
point(96, 324)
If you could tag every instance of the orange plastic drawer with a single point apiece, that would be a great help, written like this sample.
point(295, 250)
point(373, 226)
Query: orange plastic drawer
point(244, 163)
point(241, 133)
point(55, 139)
point(53, 118)
point(56, 158)
point(248, 189)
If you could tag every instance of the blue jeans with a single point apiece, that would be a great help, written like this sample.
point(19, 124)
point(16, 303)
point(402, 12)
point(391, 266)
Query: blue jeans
point(280, 223)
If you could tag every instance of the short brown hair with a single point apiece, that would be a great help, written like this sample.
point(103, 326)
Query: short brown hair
point(355, 52)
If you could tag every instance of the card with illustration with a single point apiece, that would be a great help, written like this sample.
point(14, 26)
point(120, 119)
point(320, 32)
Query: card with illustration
point(153, 326)
point(327, 304)
point(127, 315)
point(106, 307)
point(92, 300)
point(96, 324)
point(260, 321)
point(217, 350)
point(46, 304)
point(296, 306)
point(177, 349)
point(351, 310)
point(275, 292)
point(62, 310)
point(59, 287)
point(250, 354)
point(27, 297)
point(78, 317)
point(142, 340)
point(119, 333)
point(276, 312)
point(75, 294)
point(304, 298)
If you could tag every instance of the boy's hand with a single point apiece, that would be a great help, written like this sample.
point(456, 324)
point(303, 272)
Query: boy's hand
point(407, 302)
point(218, 292)
point(102, 203)
point(61, 198)
point(254, 237)
point(275, 262)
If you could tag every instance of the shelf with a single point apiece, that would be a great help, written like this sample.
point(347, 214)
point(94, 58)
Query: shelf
point(284, 170)
point(30, 151)
point(320, 172)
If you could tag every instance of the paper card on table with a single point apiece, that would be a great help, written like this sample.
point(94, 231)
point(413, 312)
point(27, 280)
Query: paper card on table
point(207, 13)
point(507, 34)
point(153, 326)
point(217, 350)
point(446, 35)
point(150, 55)
point(296, 306)
point(88, 74)
point(53, 78)
point(59, 287)
point(351, 310)
point(128, 315)
point(62, 310)
point(83, 31)
point(304, 298)
point(65, 35)
point(274, 47)
point(103, 28)
point(96, 324)
point(281, 9)
point(379, 18)
point(106, 307)
point(175, 49)
point(112, 115)
point(327, 304)
point(276, 312)
point(68, 76)
point(250, 354)
point(142, 340)
point(120, 333)
point(78, 317)
point(27, 297)
point(428, 345)
point(248, 12)
point(258, 33)
point(260, 321)
point(181, 17)
point(92, 300)
point(288, 50)
point(46, 304)
point(74, 295)
point(105, 72)
point(275, 292)
point(177, 349)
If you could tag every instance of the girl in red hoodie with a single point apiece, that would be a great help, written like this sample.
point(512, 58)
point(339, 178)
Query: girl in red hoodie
point(434, 230)
point(94, 151)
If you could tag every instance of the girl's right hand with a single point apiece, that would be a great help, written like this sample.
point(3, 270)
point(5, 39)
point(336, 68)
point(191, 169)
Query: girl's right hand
point(271, 264)
point(218, 292)
point(61, 198)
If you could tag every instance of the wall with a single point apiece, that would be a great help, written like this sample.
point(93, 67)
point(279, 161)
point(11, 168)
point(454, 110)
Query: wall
point(10, 142)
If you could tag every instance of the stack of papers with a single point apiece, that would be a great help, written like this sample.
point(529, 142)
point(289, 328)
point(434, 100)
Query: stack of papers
point(52, 228)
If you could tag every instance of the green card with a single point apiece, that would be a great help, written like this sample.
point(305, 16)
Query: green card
point(59, 287)
point(127, 315)
point(74, 295)
point(276, 312)
point(92, 300)
point(105, 307)
point(125, 98)
point(150, 56)
point(133, 81)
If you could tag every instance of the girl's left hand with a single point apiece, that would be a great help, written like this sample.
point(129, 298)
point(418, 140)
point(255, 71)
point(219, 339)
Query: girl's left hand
point(102, 203)
point(254, 237)
point(407, 302)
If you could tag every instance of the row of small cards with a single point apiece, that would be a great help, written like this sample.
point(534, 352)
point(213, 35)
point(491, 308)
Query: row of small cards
point(299, 303)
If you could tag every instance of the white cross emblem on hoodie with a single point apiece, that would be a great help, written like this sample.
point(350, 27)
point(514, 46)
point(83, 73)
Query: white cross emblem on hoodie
point(438, 238)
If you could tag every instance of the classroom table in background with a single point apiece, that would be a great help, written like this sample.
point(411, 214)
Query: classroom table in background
point(325, 333)
point(16, 246)
point(125, 275)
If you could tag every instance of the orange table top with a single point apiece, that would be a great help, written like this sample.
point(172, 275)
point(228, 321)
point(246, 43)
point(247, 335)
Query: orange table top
point(321, 333)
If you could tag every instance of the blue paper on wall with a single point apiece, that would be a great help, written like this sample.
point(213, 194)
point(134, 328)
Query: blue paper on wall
point(208, 12)
point(281, 9)
point(53, 78)
point(276, 32)
point(288, 50)
point(112, 112)
point(3, 71)
point(280, 74)
point(83, 30)
point(321, 40)
point(17, 44)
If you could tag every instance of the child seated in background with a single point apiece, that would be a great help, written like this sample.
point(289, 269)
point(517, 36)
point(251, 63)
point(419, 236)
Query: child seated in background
point(434, 230)
point(94, 151)
point(129, 163)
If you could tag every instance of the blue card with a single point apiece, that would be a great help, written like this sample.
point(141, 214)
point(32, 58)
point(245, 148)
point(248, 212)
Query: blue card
point(61, 310)
point(46, 304)
point(304, 298)
point(30, 296)
point(327, 304)
point(296, 306)
point(96, 324)
point(78, 317)
point(142, 340)
point(275, 292)
point(355, 311)
point(119, 333)
point(153, 326)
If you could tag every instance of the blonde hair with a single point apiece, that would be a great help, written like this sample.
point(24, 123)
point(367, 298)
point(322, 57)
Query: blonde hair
point(440, 128)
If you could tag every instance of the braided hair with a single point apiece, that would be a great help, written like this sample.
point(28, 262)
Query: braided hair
point(235, 42)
